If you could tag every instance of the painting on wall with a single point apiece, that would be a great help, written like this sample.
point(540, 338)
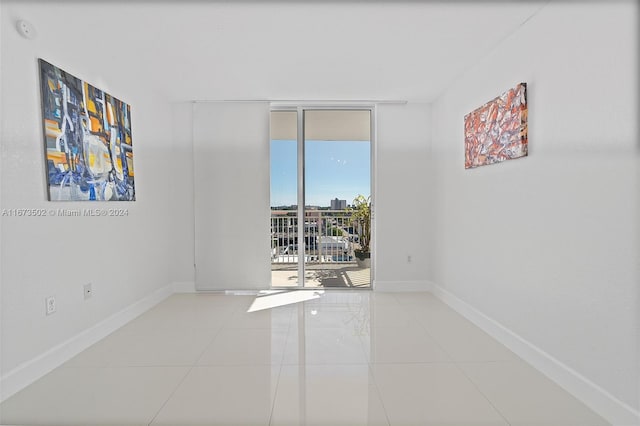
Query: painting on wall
point(88, 146)
point(497, 131)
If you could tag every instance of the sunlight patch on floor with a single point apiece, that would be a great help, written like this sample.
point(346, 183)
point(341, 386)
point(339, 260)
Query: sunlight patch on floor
point(274, 298)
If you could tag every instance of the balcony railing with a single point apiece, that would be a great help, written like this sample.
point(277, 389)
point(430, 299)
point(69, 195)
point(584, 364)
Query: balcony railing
point(329, 236)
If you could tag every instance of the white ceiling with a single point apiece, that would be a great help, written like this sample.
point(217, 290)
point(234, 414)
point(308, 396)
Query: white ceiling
point(275, 50)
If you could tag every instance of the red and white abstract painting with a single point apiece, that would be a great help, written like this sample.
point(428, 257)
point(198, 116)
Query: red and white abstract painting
point(497, 131)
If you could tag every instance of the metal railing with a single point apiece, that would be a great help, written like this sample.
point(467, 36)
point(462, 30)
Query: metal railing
point(329, 236)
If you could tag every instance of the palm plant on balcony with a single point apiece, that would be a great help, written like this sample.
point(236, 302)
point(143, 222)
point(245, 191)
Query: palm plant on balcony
point(361, 219)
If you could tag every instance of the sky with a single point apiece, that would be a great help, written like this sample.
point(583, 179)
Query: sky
point(333, 169)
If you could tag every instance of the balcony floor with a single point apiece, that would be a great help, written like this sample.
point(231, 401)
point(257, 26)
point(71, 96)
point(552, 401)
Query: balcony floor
point(347, 275)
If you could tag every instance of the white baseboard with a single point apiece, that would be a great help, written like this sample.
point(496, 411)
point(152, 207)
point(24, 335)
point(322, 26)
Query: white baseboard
point(184, 287)
point(597, 398)
point(32, 370)
point(402, 286)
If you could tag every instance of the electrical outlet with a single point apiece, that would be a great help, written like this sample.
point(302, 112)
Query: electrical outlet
point(50, 303)
point(88, 292)
point(409, 259)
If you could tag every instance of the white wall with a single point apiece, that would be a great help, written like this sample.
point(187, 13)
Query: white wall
point(549, 245)
point(125, 258)
point(403, 194)
point(182, 197)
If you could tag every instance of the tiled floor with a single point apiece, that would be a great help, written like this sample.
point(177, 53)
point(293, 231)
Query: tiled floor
point(343, 358)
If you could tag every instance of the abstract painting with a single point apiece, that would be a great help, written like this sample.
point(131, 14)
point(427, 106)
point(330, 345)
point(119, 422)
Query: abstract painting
point(497, 131)
point(87, 134)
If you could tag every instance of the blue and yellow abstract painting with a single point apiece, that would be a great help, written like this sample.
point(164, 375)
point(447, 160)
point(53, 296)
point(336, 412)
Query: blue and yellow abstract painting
point(88, 144)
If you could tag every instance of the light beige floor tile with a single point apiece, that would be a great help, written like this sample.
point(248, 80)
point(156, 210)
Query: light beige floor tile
point(432, 394)
point(327, 395)
point(421, 299)
point(279, 317)
point(188, 311)
point(324, 346)
point(270, 299)
point(383, 299)
point(526, 397)
point(222, 395)
point(91, 396)
point(391, 316)
point(158, 347)
point(333, 315)
point(346, 299)
point(462, 340)
point(246, 346)
point(402, 345)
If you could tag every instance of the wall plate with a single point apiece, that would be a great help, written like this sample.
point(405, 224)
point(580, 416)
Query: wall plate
point(50, 305)
point(26, 29)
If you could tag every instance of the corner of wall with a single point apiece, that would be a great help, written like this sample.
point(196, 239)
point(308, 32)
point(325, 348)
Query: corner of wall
point(183, 287)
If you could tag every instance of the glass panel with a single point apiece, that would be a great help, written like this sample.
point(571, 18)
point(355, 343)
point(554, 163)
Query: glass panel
point(284, 204)
point(337, 156)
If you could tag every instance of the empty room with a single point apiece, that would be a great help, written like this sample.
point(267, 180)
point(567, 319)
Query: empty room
point(300, 212)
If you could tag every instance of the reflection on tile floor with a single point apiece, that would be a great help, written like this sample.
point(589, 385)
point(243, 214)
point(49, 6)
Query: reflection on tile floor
point(337, 358)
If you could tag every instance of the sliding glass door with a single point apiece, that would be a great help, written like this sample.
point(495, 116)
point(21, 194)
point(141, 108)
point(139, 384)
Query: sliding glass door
point(284, 199)
point(321, 198)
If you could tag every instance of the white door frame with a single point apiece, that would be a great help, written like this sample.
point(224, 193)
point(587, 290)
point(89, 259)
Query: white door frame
point(300, 109)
